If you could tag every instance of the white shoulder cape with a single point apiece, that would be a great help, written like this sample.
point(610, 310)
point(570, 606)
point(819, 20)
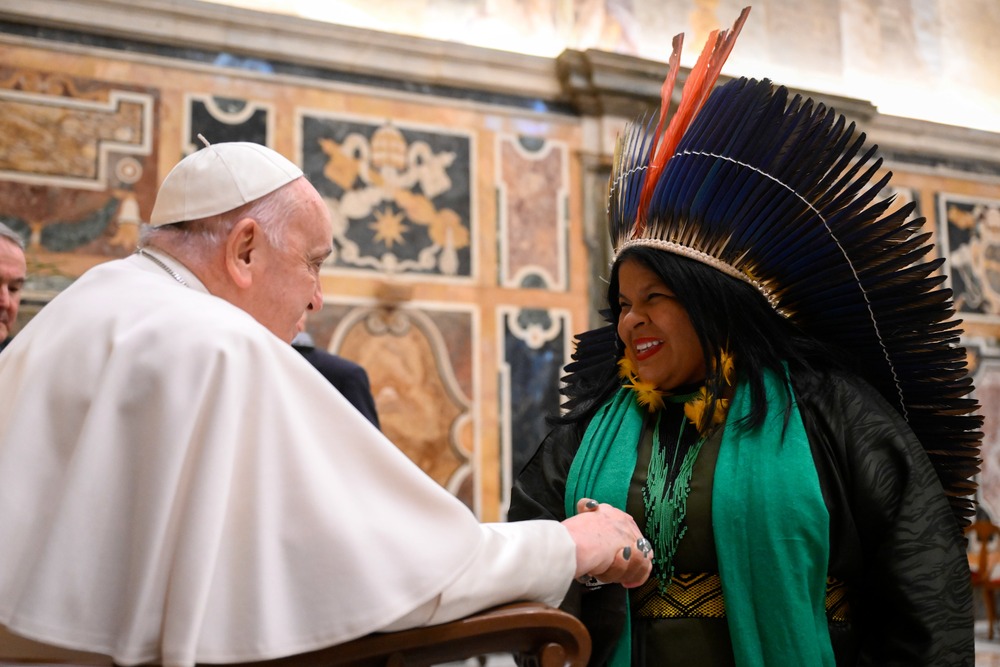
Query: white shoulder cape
point(179, 485)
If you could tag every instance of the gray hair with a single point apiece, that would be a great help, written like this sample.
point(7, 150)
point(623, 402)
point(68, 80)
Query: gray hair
point(9, 234)
point(199, 237)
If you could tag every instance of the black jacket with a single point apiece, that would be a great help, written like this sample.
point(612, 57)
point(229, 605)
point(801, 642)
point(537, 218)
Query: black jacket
point(349, 378)
point(893, 536)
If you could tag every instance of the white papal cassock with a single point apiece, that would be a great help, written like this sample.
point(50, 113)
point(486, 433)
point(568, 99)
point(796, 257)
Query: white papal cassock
point(179, 485)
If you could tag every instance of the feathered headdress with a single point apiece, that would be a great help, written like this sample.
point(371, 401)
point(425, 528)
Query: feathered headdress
point(780, 194)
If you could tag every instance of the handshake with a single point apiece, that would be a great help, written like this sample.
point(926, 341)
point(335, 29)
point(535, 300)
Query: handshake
point(609, 547)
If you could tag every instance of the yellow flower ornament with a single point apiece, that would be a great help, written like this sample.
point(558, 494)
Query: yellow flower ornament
point(695, 407)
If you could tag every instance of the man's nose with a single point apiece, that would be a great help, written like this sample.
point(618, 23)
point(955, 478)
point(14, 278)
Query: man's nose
point(316, 303)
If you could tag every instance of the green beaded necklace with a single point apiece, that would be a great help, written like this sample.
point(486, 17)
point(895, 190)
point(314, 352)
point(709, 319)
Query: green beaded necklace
point(668, 483)
point(665, 499)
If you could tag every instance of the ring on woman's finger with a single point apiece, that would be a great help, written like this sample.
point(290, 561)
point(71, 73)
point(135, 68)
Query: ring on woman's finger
point(644, 546)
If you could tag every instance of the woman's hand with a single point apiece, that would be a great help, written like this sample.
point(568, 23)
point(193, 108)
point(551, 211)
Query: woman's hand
point(609, 546)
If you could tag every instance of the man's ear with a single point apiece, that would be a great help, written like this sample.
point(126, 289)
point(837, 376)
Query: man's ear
point(241, 249)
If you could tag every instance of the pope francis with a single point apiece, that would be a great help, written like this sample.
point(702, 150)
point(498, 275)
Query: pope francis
point(178, 485)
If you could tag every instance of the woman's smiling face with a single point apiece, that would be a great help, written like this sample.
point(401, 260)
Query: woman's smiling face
point(656, 330)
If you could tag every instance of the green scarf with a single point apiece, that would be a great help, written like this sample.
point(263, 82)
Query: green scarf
point(770, 524)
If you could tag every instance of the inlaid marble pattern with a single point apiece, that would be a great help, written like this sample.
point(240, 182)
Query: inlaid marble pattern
point(474, 200)
point(420, 368)
point(984, 357)
point(532, 194)
point(77, 161)
point(221, 119)
point(400, 196)
point(969, 231)
point(534, 349)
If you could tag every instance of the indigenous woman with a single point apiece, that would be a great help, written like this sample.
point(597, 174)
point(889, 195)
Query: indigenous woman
point(779, 400)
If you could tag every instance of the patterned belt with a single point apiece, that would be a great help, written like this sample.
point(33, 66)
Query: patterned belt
point(699, 595)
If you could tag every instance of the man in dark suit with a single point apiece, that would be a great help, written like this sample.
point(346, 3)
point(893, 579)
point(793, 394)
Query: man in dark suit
point(349, 378)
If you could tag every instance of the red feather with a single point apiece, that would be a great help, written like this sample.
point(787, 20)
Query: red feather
point(697, 88)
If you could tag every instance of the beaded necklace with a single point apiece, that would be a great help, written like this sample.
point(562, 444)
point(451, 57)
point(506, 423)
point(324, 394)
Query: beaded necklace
point(668, 481)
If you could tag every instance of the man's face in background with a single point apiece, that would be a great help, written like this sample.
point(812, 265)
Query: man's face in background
point(13, 269)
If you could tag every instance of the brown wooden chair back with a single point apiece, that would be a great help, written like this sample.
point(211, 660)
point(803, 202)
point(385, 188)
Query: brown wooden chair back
point(539, 635)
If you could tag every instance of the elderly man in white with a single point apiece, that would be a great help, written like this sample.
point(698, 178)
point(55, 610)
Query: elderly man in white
point(178, 485)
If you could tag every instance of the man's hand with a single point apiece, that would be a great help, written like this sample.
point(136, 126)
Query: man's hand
point(609, 546)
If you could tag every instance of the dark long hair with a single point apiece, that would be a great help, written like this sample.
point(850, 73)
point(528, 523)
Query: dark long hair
point(731, 315)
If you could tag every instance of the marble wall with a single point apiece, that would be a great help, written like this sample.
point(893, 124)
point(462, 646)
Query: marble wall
point(449, 281)
point(468, 212)
point(969, 235)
